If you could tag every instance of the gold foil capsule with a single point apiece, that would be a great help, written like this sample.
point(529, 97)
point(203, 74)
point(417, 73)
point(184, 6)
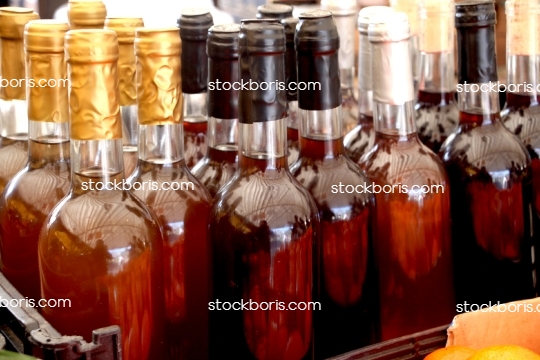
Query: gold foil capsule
point(92, 57)
point(125, 31)
point(46, 70)
point(159, 85)
point(86, 14)
point(12, 22)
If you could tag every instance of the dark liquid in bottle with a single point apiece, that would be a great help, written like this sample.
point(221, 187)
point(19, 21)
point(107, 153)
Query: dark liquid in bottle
point(262, 233)
point(183, 217)
point(217, 168)
point(361, 139)
point(23, 209)
point(491, 189)
point(292, 145)
point(103, 252)
point(195, 142)
point(13, 157)
point(436, 118)
point(348, 291)
point(412, 236)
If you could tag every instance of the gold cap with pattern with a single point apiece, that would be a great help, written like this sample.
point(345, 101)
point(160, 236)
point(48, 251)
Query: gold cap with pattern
point(86, 14)
point(159, 84)
point(125, 31)
point(92, 57)
point(46, 68)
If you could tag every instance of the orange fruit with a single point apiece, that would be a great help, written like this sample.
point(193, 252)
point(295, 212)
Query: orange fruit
point(508, 352)
point(451, 353)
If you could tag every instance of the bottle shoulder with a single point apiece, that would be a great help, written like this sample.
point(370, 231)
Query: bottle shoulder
point(525, 123)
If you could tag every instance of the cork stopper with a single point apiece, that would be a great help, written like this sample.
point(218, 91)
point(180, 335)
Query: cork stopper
point(92, 57)
point(522, 27)
point(437, 25)
point(45, 62)
point(409, 7)
point(159, 85)
point(274, 11)
point(86, 14)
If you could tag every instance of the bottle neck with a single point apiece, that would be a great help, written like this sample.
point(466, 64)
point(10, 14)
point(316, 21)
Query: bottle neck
point(292, 123)
point(523, 85)
point(14, 119)
point(130, 130)
point(195, 110)
point(346, 26)
point(223, 134)
point(161, 144)
point(365, 93)
point(263, 145)
point(318, 127)
point(479, 107)
point(44, 136)
point(437, 72)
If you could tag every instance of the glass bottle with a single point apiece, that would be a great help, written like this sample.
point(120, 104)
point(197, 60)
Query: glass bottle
point(13, 112)
point(101, 247)
point(86, 14)
point(345, 16)
point(178, 199)
point(194, 24)
point(361, 139)
point(412, 222)
point(521, 114)
point(436, 110)
point(263, 222)
point(412, 9)
point(44, 181)
point(220, 162)
point(348, 283)
point(125, 31)
point(490, 175)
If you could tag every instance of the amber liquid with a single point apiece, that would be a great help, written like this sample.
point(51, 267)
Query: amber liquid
point(216, 168)
point(292, 146)
point(412, 237)
point(183, 218)
point(195, 142)
point(348, 283)
point(361, 139)
point(24, 206)
point(103, 251)
point(437, 116)
point(13, 157)
point(491, 189)
point(262, 228)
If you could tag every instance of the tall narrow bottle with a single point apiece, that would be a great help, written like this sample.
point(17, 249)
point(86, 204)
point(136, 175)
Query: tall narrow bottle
point(348, 283)
point(194, 24)
point(101, 247)
point(436, 110)
point(521, 114)
point(125, 31)
point(13, 111)
point(178, 199)
point(361, 139)
point(86, 14)
point(490, 175)
point(221, 160)
point(345, 15)
point(44, 181)
point(412, 222)
point(263, 222)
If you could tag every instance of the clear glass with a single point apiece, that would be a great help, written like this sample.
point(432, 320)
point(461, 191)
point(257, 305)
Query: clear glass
point(195, 127)
point(130, 135)
point(220, 162)
point(292, 133)
point(491, 187)
point(348, 283)
point(412, 226)
point(102, 249)
point(13, 139)
point(27, 201)
point(415, 60)
point(263, 226)
point(182, 205)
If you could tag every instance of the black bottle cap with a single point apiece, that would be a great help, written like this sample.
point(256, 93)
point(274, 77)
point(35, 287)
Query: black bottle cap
point(274, 11)
point(194, 24)
point(291, 75)
point(222, 48)
point(262, 71)
point(477, 60)
point(317, 46)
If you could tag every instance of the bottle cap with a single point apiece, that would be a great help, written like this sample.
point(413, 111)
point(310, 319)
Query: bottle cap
point(391, 27)
point(274, 11)
point(291, 75)
point(263, 35)
point(409, 7)
point(13, 20)
point(317, 32)
point(45, 62)
point(92, 57)
point(340, 7)
point(194, 24)
point(475, 13)
point(366, 14)
point(223, 41)
point(86, 14)
point(159, 86)
point(124, 28)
